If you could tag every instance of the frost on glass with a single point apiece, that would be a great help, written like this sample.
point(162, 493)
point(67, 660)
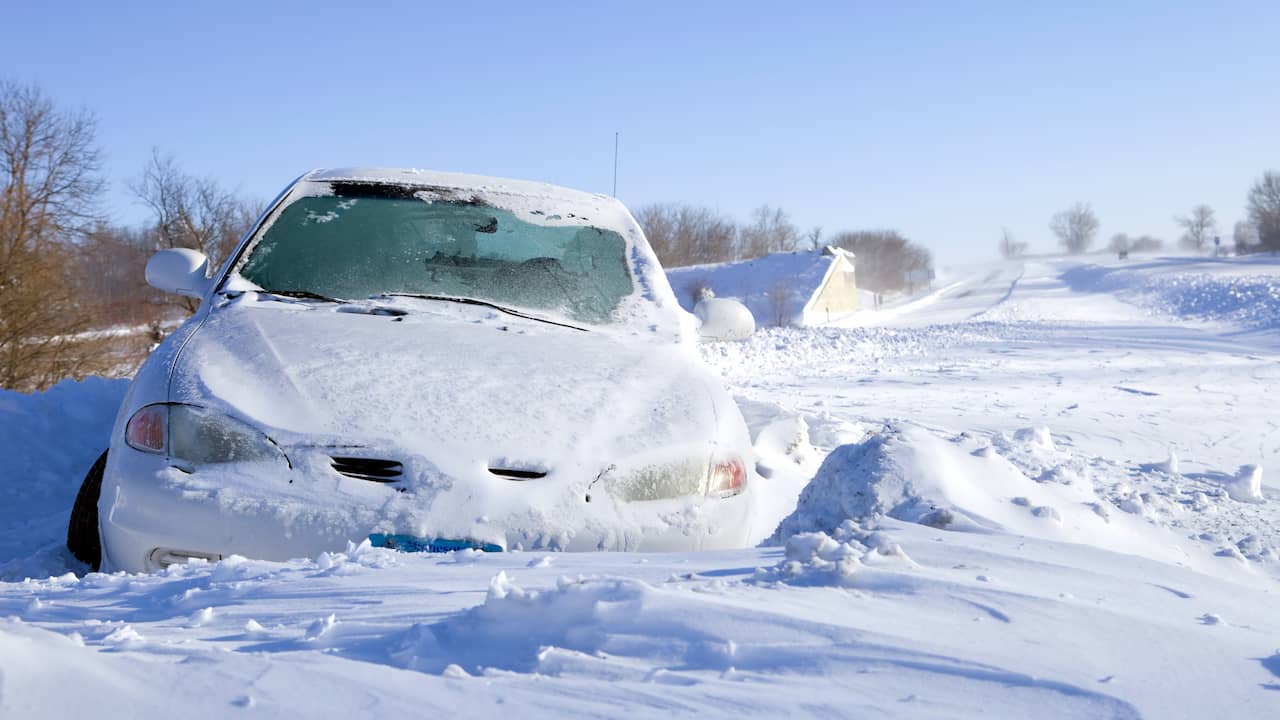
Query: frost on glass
point(356, 247)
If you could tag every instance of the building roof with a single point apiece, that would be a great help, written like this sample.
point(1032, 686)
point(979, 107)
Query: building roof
point(757, 282)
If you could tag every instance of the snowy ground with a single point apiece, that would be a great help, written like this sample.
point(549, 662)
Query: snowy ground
point(1019, 495)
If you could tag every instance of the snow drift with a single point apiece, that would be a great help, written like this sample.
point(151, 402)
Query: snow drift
point(1018, 484)
point(1245, 293)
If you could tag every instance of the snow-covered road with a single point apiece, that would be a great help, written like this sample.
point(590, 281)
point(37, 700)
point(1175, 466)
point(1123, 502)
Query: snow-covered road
point(1028, 501)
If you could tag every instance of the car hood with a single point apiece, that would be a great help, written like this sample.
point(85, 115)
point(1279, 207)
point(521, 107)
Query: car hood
point(461, 386)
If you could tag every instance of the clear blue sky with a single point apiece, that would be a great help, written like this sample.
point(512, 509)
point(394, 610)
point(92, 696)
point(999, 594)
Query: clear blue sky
point(945, 120)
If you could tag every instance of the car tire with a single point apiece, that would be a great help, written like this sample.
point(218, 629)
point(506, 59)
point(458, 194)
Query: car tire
point(82, 531)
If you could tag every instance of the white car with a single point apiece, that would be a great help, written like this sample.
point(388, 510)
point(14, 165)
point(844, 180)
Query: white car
point(431, 361)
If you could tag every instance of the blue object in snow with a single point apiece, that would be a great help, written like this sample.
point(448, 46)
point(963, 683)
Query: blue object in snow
point(412, 543)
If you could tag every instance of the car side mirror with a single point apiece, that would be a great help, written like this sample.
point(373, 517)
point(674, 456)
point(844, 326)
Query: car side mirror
point(723, 319)
point(180, 271)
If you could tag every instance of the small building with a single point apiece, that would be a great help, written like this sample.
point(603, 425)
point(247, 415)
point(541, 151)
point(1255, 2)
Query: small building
point(809, 287)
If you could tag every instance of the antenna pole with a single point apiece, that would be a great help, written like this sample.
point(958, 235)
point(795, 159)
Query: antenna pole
point(615, 164)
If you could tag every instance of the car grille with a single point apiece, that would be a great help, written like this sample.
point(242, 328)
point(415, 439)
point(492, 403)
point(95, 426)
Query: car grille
point(371, 469)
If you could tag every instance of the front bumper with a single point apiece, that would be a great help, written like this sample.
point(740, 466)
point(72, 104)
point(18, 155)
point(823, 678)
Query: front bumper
point(152, 514)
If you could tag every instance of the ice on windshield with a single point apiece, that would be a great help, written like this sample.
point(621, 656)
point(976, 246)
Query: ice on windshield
point(366, 240)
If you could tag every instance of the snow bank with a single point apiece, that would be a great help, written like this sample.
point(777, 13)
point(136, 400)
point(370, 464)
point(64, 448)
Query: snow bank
point(1243, 293)
point(1017, 483)
point(49, 441)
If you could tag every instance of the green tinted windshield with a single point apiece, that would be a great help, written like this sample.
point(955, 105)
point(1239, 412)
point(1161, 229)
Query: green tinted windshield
point(364, 241)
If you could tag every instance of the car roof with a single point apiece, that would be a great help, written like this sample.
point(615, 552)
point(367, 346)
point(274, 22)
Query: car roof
point(458, 181)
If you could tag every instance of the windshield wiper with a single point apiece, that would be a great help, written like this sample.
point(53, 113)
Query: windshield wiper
point(482, 303)
point(303, 294)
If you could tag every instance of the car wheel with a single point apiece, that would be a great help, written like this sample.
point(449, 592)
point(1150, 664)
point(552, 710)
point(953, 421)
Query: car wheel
point(82, 531)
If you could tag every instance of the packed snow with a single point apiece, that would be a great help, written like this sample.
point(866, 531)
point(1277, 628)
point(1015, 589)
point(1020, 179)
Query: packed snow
point(1044, 489)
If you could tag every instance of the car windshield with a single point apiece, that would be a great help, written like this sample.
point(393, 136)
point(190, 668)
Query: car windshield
point(366, 240)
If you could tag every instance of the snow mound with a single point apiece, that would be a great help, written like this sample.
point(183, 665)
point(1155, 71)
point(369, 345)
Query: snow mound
point(1018, 483)
point(817, 558)
point(835, 559)
point(1246, 486)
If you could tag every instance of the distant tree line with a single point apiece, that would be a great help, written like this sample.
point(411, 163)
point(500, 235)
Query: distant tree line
point(684, 235)
point(1077, 227)
point(67, 274)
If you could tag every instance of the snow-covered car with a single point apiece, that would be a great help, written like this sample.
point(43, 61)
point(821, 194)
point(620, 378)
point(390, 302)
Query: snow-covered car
point(431, 361)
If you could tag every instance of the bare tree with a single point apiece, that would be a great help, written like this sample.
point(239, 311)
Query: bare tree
point(1264, 210)
point(770, 231)
point(1009, 247)
point(109, 272)
point(813, 238)
point(1120, 244)
point(1245, 237)
point(1199, 226)
point(190, 211)
point(1075, 227)
point(885, 259)
point(684, 235)
point(50, 168)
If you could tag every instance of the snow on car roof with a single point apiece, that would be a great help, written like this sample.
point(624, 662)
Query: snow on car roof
point(461, 181)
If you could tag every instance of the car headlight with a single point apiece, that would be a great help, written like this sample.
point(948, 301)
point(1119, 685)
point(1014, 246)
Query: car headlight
point(728, 477)
point(694, 476)
point(197, 436)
